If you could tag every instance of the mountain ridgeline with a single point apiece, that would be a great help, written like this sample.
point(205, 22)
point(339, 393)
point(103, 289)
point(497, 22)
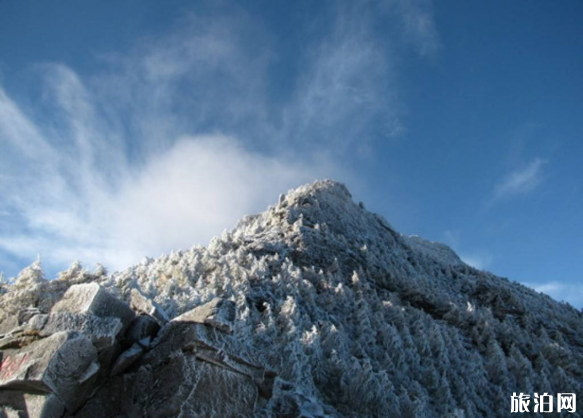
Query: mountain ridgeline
point(342, 315)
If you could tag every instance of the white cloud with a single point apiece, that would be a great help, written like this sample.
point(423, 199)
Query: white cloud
point(419, 25)
point(561, 291)
point(478, 260)
point(347, 87)
point(452, 238)
point(79, 197)
point(520, 181)
point(197, 188)
point(170, 143)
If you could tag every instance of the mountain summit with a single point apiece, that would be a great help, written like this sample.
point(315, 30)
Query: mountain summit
point(314, 308)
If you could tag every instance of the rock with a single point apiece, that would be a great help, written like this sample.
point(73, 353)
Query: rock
point(107, 402)
point(126, 359)
point(8, 325)
point(91, 298)
point(141, 327)
point(16, 339)
point(145, 342)
point(107, 357)
point(14, 322)
point(262, 378)
point(220, 393)
point(176, 377)
point(218, 313)
point(26, 314)
point(15, 403)
point(173, 337)
point(63, 364)
point(101, 331)
point(142, 305)
point(181, 385)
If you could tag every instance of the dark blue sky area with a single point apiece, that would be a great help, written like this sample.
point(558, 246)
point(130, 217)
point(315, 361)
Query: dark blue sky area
point(460, 121)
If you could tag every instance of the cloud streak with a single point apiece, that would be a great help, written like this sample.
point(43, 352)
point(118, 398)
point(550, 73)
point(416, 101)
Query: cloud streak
point(521, 181)
point(170, 143)
point(566, 292)
point(479, 260)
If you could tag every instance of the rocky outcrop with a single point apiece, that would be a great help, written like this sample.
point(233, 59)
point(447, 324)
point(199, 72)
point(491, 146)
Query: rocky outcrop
point(315, 308)
point(92, 348)
point(218, 313)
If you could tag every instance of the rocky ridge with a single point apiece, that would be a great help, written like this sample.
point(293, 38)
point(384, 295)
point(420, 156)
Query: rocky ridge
point(314, 308)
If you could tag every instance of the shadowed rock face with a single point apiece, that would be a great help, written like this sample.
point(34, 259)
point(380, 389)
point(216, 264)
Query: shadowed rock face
point(76, 363)
point(313, 308)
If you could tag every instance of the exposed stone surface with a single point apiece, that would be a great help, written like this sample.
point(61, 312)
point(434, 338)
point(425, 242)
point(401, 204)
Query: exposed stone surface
point(14, 403)
point(218, 313)
point(8, 325)
point(126, 359)
point(101, 331)
point(70, 361)
point(143, 305)
point(62, 364)
point(315, 308)
point(180, 386)
point(91, 298)
point(142, 327)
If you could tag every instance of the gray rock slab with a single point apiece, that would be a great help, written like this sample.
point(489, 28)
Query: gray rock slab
point(143, 305)
point(101, 331)
point(91, 298)
point(21, 404)
point(126, 359)
point(9, 324)
point(218, 313)
point(64, 364)
point(173, 337)
point(141, 327)
point(220, 393)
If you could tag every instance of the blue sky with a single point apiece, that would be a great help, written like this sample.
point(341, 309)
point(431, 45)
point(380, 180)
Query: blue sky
point(134, 128)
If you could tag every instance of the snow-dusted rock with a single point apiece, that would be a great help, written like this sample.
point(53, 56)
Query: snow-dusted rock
point(17, 404)
point(91, 298)
point(101, 331)
point(143, 305)
point(62, 364)
point(328, 312)
point(126, 359)
point(217, 313)
point(142, 327)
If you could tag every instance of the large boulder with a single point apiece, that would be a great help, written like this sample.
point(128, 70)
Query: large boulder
point(101, 331)
point(218, 313)
point(91, 356)
point(9, 324)
point(126, 359)
point(142, 328)
point(91, 298)
point(17, 404)
point(181, 385)
point(143, 305)
point(64, 364)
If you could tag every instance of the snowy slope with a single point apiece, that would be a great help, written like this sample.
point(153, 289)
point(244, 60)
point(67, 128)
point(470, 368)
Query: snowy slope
point(358, 319)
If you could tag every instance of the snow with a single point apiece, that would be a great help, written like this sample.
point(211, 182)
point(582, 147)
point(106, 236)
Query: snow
point(360, 319)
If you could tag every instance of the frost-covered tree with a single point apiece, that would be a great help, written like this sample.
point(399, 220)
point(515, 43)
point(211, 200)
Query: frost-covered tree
point(354, 316)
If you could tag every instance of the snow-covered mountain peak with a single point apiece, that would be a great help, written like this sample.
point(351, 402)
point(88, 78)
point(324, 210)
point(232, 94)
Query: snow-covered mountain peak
point(356, 319)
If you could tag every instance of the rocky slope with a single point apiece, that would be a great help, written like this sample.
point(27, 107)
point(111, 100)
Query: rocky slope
point(314, 308)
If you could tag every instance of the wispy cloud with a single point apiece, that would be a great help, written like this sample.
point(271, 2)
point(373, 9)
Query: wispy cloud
point(479, 260)
point(561, 291)
point(419, 24)
point(171, 142)
point(521, 181)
